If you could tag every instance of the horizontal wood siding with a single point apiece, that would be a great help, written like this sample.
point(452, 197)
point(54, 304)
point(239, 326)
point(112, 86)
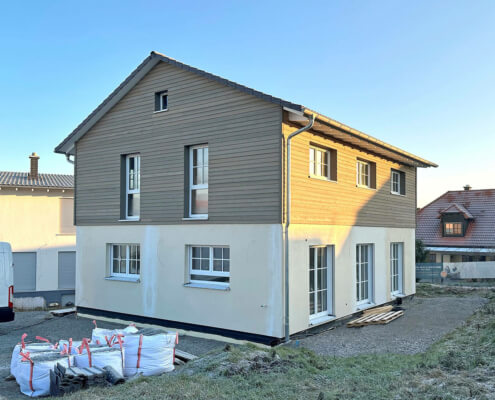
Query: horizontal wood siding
point(243, 135)
point(316, 201)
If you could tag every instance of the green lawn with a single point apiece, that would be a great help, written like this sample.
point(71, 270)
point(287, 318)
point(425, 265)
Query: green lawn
point(460, 366)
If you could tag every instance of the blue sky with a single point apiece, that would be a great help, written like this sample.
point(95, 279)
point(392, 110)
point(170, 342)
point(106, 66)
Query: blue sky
point(419, 74)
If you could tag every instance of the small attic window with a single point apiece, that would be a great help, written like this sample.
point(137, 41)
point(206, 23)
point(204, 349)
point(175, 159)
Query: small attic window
point(161, 101)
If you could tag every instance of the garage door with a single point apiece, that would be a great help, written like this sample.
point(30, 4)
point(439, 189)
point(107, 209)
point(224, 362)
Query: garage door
point(67, 270)
point(24, 272)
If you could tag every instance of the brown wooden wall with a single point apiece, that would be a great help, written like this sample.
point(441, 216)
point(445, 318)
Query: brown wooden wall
point(316, 201)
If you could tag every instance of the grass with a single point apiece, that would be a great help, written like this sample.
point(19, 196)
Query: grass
point(460, 366)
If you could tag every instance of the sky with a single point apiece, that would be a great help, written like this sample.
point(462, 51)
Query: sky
point(419, 74)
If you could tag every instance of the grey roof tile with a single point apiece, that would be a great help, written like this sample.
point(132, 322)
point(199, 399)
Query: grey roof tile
point(18, 179)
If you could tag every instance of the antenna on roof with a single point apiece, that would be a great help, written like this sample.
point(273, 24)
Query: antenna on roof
point(467, 187)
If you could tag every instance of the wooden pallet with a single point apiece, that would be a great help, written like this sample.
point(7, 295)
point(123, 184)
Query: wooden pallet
point(375, 319)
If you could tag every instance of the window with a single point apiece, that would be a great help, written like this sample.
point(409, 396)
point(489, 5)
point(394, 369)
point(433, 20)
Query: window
point(397, 182)
point(125, 260)
point(209, 264)
point(161, 101)
point(432, 258)
point(396, 267)
point(319, 162)
point(133, 183)
point(453, 228)
point(366, 174)
point(364, 273)
point(320, 281)
point(198, 181)
point(363, 173)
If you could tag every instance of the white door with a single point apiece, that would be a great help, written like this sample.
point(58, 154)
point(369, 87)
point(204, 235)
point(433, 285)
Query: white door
point(320, 281)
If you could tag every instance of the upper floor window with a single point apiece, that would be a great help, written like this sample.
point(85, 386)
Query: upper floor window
point(198, 181)
point(397, 182)
point(319, 162)
point(125, 260)
point(209, 264)
point(161, 101)
point(452, 228)
point(133, 183)
point(366, 174)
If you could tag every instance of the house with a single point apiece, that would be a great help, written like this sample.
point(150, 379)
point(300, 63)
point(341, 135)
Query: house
point(459, 226)
point(36, 218)
point(182, 211)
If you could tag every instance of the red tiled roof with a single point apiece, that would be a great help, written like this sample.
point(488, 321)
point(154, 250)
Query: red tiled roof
point(479, 204)
point(457, 208)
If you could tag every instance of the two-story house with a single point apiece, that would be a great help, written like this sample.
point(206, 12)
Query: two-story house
point(36, 218)
point(183, 217)
point(459, 226)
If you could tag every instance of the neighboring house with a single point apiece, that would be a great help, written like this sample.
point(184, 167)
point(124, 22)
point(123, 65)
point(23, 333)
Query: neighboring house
point(459, 226)
point(36, 218)
point(181, 209)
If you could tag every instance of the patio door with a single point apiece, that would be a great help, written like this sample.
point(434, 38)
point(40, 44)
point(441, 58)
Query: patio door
point(320, 282)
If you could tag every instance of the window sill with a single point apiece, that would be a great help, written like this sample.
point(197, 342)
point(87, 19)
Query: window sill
point(122, 279)
point(365, 306)
point(160, 111)
point(321, 178)
point(365, 187)
point(207, 286)
point(195, 219)
point(130, 220)
point(66, 234)
point(321, 320)
point(398, 194)
point(397, 295)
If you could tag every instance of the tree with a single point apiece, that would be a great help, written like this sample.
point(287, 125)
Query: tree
point(421, 252)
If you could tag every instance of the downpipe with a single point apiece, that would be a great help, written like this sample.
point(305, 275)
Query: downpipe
point(287, 223)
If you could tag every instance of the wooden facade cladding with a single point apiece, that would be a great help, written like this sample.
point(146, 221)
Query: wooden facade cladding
point(341, 202)
point(243, 135)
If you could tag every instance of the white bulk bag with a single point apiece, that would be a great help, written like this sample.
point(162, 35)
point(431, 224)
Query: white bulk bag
point(149, 355)
point(33, 372)
point(100, 356)
point(102, 336)
point(70, 345)
point(30, 347)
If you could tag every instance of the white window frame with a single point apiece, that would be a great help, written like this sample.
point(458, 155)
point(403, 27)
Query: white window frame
point(359, 176)
point(452, 231)
point(127, 258)
point(313, 164)
point(210, 271)
point(396, 259)
point(196, 187)
point(162, 95)
point(395, 174)
point(329, 289)
point(128, 191)
point(370, 272)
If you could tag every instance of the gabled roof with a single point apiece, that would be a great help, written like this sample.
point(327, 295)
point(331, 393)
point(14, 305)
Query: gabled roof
point(49, 181)
point(479, 204)
point(455, 208)
point(337, 130)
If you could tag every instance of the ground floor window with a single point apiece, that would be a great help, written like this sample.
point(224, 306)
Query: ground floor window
point(364, 273)
point(125, 260)
point(320, 278)
point(396, 267)
point(209, 264)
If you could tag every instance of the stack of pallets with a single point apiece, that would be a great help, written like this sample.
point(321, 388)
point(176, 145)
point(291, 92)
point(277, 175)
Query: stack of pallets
point(378, 316)
point(66, 380)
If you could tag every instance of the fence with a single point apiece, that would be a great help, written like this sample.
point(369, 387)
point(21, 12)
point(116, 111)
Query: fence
point(429, 272)
point(470, 270)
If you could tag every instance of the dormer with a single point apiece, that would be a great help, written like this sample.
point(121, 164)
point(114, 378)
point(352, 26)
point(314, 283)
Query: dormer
point(455, 220)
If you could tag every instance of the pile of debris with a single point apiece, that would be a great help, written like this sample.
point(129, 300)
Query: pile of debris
point(108, 358)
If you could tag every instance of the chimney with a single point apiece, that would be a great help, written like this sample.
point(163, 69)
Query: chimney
point(467, 187)
point(33, 171)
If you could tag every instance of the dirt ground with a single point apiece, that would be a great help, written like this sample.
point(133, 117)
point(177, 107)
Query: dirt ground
point(425, 321)
point(43, 324)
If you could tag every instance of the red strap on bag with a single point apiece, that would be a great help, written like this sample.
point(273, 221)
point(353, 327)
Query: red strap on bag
point(70, 345)
point(24, 336)
point(109, 342)
point(139, 350)
point(119, 340)
point(83, 345)
point(94, 322)
point(42, 339)
point(25, 357)
point(66, 352)
point(176, 340)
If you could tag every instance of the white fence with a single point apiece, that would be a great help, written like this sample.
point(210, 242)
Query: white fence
point(470, 270)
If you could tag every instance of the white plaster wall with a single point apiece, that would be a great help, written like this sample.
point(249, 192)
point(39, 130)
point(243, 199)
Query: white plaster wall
point(345, 239)
point(253, 304)
point(30, 222)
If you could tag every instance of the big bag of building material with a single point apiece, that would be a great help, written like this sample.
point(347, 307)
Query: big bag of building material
point(101, 336)
point(43, 345)
point(149, 354)
point(100, 356)
point(71, 345)
point(33, 371)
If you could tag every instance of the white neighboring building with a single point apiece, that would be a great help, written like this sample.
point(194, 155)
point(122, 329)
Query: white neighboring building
point(36, 218)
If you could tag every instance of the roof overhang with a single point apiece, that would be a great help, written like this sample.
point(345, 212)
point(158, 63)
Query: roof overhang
point(480, 250)
point(345, 134)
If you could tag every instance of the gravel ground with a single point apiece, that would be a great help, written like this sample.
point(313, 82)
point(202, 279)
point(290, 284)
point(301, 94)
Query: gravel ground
point(425, 321)
point(43, 324)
